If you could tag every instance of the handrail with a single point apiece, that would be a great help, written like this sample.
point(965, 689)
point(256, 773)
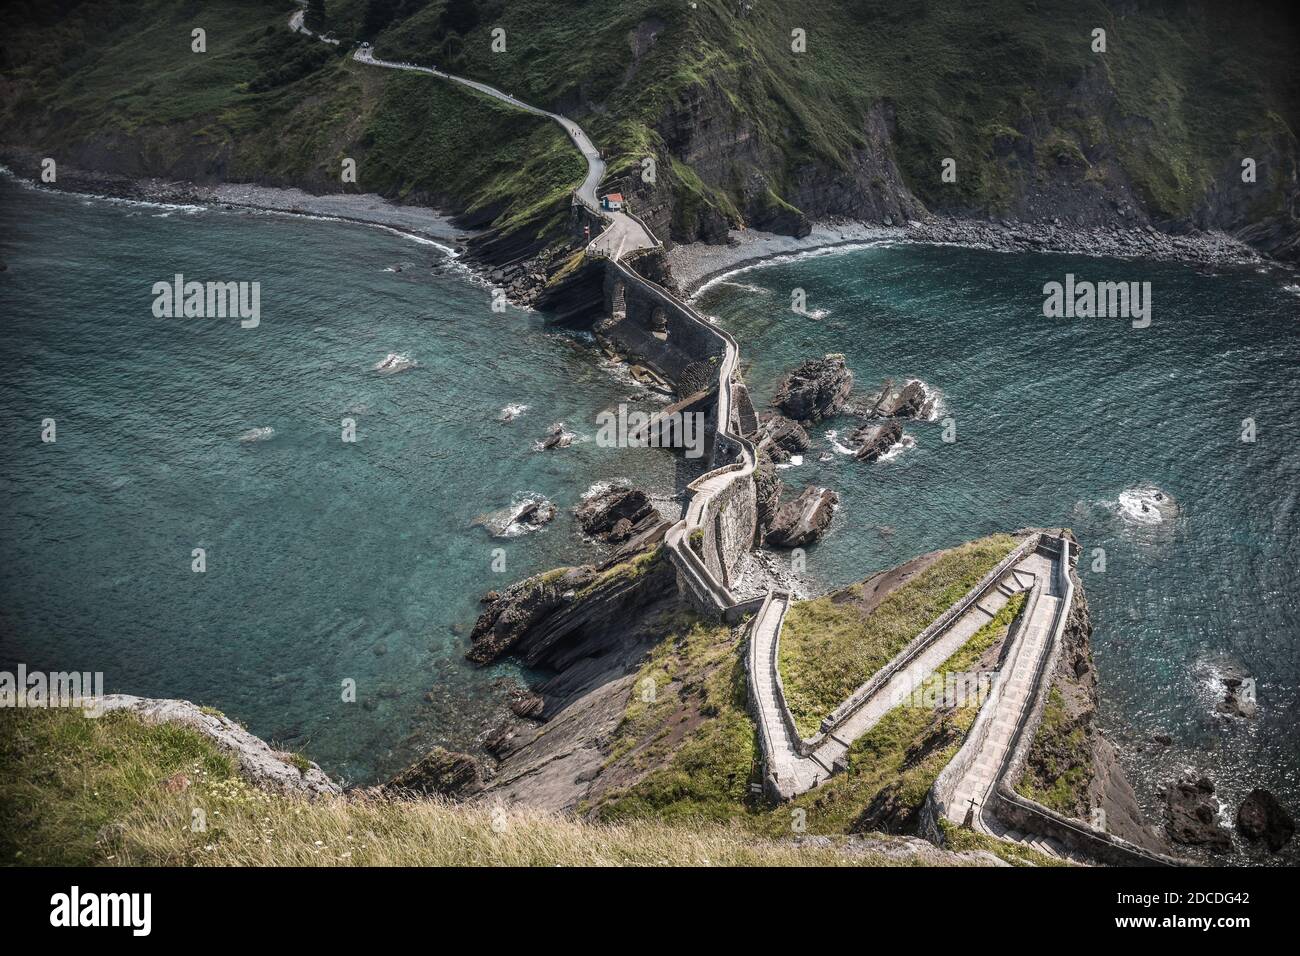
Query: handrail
point(752, 665)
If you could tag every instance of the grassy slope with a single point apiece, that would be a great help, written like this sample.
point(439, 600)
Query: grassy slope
point(75, 791)
point(1059, 777)
point(263, 104)
point(682, 769)
point(828, 647)
point(1190, 82)
point(1191, 88)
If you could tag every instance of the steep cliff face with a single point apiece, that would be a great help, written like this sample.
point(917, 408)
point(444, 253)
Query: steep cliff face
point(1072, 768)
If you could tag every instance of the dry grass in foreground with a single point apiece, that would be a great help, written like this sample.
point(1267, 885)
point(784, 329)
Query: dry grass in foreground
point(77, 791)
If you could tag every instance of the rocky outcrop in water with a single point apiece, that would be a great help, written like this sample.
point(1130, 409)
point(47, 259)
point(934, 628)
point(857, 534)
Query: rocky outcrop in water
point(911, 401)
point(556, 437)
point(1238, 697)
point(1192, 814)
point(1261, 817)
point(874, 440)
point(615, 513)
point(784, 437)
point(816, 390)
point(804, 520)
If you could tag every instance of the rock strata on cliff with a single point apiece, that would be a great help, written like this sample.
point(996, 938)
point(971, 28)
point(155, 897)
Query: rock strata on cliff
point(782, 437)
point(440, 772)
point(615, 513)
point(816, 390)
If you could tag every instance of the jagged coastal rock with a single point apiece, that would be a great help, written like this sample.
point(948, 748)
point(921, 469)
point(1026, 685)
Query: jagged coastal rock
point(783, 437)
point(816, 390)
point(615, 513)
point(1238, 700)
point(911, 401)
point(522, 605)
point(1191, 814)
point(1261, 817)
point(875, 440)
point(803, 521)
point(767, 488)
point(256, 761)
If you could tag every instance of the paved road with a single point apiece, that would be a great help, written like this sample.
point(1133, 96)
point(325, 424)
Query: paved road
point(623, 234)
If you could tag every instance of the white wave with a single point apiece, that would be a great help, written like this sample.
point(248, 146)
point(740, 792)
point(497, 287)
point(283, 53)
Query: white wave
point(815, 253)
point(511, 412)
point(264, 433)
point(1144, 504)
point(1292, 288)
point(566, 437)
point(833, 437)
point(746, 287)
point(392, 363)
point(898, 447)
point(506, 523)
point(599, 488)
point(794, 462)
point(819, 313)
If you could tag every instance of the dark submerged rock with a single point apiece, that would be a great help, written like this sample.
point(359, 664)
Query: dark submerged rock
point(1262, 817)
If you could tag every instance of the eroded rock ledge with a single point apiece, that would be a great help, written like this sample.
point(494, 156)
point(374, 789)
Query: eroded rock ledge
point(256, 761)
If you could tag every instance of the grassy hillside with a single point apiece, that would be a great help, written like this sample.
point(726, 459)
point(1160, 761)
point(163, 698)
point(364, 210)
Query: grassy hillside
point(75, 791)
point(1010, 89)
point(744, 129)
point(115, 86)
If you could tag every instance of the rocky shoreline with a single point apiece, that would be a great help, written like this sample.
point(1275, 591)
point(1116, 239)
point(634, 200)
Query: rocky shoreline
point(522, 281)
point(697, 266)
point(693, 266)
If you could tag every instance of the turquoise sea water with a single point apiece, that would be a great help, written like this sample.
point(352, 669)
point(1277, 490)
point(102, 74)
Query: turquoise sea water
point(1055, 420)
point(326, 561)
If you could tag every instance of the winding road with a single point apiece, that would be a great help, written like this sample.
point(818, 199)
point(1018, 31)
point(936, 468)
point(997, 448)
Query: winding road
point(624, 234)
